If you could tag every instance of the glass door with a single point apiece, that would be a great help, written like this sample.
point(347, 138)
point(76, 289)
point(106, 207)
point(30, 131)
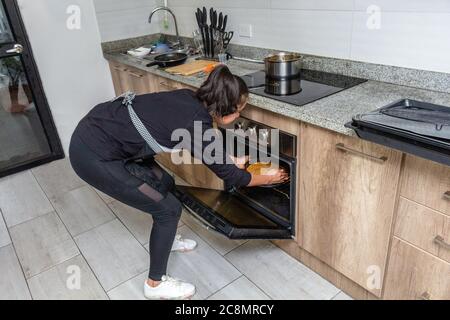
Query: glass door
point(27, 133)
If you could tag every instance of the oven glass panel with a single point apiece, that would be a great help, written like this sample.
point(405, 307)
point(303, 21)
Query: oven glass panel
point(229, 208)
point(276, 200)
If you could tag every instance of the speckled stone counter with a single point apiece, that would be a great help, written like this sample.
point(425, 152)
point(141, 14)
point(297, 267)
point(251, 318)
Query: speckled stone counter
point(331, 113)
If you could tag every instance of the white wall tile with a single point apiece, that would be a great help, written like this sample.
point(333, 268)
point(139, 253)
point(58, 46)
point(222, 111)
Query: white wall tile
point(258, 18)
point(254, 4)
point(414, 40)
point(182, 3)
point(325, 33)
point(123, 24)
point(117, 5)
point(405, 5)
point(119, 19)
point(187, 22)
point(313, 4)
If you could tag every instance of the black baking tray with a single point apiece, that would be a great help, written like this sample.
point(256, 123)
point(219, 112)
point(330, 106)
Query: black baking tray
point(423, 145)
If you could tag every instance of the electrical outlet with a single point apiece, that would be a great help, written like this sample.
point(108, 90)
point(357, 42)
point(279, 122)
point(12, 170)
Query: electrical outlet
point(245, 30)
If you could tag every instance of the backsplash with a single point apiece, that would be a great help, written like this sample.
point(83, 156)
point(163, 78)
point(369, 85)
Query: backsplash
point(118, 19)
point(406, 33)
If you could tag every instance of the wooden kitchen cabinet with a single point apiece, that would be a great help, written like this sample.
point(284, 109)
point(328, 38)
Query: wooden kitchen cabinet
point(126, 78)
point(422, 226)
point(348, 191)
point(120, 77)
point(416, 275)
point(426, 182)
point(138, 81)
point(161, 84)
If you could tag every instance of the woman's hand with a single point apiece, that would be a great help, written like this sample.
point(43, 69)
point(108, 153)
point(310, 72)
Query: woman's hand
point(271, 177)
point(277, 176)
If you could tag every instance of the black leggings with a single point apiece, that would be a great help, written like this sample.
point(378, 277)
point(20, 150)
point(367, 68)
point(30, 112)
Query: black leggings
point(152, 195)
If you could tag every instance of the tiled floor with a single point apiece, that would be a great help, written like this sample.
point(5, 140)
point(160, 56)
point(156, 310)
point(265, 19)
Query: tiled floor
point(61, 239)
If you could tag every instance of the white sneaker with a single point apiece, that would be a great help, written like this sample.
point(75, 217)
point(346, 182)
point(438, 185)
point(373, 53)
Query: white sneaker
point(183, 245)
point(169, 289)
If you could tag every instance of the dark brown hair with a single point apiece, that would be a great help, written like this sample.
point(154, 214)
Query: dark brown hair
point(223, 92)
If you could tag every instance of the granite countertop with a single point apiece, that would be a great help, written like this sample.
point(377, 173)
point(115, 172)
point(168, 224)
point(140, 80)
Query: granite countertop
point(332, 112)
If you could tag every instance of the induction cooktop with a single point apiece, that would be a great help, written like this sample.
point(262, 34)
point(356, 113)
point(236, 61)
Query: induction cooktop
point(315, 85)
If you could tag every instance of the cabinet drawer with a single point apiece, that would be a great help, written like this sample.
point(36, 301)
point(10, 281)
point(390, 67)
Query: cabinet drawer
point(414, 274)
point(161, 84)
point(423, 227)
point(427, 183)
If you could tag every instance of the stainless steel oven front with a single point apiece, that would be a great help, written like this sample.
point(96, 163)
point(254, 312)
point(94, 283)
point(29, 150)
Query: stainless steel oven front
point(250, 213)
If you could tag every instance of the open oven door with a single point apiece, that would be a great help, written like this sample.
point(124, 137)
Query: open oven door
point(230, 215)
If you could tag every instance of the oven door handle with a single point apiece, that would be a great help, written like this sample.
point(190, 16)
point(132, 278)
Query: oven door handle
point(202, 221)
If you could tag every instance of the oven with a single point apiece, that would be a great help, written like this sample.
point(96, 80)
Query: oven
point(250, 212)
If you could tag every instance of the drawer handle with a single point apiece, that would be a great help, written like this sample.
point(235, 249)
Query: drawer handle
point(425, 296)
point(136, 75)
point(440, 241)
point(164, 84)
point(342, 147)
point(447, 195)
point(120, 69)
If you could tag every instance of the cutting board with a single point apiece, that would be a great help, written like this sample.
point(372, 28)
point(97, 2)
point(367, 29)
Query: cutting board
point(191, 68)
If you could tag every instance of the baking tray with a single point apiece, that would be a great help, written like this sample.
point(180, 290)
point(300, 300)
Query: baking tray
point(435, 149)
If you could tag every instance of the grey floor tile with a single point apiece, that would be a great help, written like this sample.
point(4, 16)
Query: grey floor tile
point(217, 241)
point(71, 280)
point(21, 199)
point(342, 296)
point(82, 209)
point(57, 178)
point(12, 281)
point(130, 290)
point(139, 223)
point(107, 199)
point(4, 234)
point(204, 267)
point(241, 289)
point(113, 253)
point(279, 275)
point(42, 243)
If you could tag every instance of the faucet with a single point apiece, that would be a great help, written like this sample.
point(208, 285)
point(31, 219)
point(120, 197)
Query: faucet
point(178, 44)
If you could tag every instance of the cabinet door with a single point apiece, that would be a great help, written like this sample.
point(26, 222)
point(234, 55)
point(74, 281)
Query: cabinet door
point(138, 81)
point(347, 197)
point(120, 79)
point(414, 274)
point(161, 84)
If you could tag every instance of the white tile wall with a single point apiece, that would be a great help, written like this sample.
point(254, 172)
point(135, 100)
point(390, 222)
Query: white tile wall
point(405, 5)
point(413, 33)
point(120, 19)
point(414, 40)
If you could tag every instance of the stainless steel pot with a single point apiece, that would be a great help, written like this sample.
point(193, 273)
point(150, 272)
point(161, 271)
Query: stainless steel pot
point(283, 65)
